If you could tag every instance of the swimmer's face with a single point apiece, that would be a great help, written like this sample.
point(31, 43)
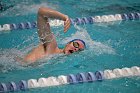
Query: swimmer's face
point(74, 47)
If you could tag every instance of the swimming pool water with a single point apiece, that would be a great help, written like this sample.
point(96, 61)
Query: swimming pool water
point(109, 45)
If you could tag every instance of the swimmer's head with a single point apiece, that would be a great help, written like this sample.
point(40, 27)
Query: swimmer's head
point(74, 46)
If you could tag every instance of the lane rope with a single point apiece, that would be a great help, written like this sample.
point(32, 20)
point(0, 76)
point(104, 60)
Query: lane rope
point(78, 21)
point(70, 79)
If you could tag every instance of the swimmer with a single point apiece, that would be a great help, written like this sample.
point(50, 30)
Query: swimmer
point(48, 45)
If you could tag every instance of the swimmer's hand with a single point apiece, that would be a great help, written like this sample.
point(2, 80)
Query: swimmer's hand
point(67, 23)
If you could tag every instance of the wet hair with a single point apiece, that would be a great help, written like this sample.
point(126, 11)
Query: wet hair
point(78, 40)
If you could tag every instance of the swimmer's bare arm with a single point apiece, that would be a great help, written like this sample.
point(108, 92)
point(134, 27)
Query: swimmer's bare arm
point(47, 38)
point(43, 26)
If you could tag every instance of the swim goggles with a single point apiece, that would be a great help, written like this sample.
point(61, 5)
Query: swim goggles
point(76, 45)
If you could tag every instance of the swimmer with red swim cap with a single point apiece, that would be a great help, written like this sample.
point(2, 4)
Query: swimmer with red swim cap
point(48, 45)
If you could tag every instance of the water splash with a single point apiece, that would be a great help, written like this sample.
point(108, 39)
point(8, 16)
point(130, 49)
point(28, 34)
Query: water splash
point(93, 46)
point(7, 62)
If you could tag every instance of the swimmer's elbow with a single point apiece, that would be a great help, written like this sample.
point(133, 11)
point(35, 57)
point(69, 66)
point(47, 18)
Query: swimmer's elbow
point(42, 10)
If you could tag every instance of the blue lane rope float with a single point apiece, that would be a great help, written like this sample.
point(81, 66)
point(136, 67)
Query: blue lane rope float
point(23, 85)
point(91, 77)
point(70, 79)
point(99, 75)
point(81, 77)
point(12, 86)
point(3, 87)
point(78, 21)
